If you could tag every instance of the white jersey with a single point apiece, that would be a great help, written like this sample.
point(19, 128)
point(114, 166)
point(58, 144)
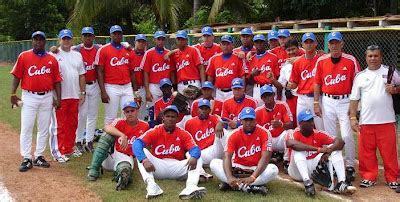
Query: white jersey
point(376, 103)
point(285, 72)
point(71, 66)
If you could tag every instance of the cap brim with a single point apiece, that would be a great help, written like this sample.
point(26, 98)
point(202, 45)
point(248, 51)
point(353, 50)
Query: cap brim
point(41, 35)
point(262, 93)
point(248, 116)
point(335, 38)
point(170, 109)
point(226, 41)
point(205, 106)
point(309, 117)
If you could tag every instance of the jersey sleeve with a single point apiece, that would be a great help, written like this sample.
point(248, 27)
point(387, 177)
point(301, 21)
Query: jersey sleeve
point(326, 139)
point(18, 69)
point(318, 73)
point(145, 64)
point(287, 115)
point(56, 72)
point(100, 57)
point(268, 141)
point(148, 136)
point(356, 89)
point(210, 71)
point(197, 59)
point(295, 75)
point(275, 67)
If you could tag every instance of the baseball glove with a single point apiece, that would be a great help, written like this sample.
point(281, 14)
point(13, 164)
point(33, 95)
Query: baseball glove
point(192, 92)
point(321, 174)
point(182, 103)
point(241, 173)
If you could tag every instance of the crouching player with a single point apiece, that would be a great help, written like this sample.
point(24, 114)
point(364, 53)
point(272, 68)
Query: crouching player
point(251, 147)
point(125, 131)
point(316, 153)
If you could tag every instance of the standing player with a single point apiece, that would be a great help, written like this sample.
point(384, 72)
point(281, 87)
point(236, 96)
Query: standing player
point(224, 67)
point(302, 77)
point(280, 52)
point(208, 48)
point(246, 37)
point(166, 160)
point(263, 69)
point(207, 90)
point(273, 40)
point(334, 78)
point(64, 122)
point(39, 75)
point(311, 151)
point(115, 74)
point(87, 115)
point(137, 56)
point(249, 151)
point(124, 131)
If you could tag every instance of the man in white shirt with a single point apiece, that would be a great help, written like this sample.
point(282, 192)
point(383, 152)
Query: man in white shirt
point(64, 121)
point(377, 129)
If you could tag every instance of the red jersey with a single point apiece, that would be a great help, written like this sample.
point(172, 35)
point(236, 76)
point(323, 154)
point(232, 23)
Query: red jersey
point(216, 107)
point(280, 112)
point(245, 50)
point(317, 139)
point(282, 55)
point(207, 52)
point(268, 62)
point(88, 55)
point(137, 59)
point(303, 73)
point(336, 79)
point(186, 63)
point(231, 108)
point(248, 147)
point(202, 131)
point(225, 70)
point(131, 132)
point(117, 64)
point(168, 145)
point(160, 105)
point(37, 73)
point(154, 64)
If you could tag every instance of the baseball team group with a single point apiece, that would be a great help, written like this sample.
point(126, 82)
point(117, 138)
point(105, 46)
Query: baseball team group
point(241, 112)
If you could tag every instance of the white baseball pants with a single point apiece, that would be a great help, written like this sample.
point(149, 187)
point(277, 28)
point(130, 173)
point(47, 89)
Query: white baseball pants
point(215, 151)
point(279, 143)
point(143, 113)
point(87, 115)
point(304, 102)
point(219, 94)
point(155, 92)
point(112, 161)
point(119, 95)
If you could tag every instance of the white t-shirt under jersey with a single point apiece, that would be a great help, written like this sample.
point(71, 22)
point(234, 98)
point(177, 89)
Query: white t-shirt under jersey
point(284, 77)
point(376, 103)
point(71, 66)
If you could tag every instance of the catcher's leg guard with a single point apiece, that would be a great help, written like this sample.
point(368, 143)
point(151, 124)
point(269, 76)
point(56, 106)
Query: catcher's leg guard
point(123, 175)
point(106, 142)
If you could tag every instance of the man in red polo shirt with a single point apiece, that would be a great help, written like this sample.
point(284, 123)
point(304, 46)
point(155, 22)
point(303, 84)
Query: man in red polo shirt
point(207, 90)
point(208, 48)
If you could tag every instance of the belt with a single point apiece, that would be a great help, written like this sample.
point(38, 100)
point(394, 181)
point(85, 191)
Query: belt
point(90, 82)
point(259, 85)
point(309, 95)
point(39, 93)
point(188, 82)
point(337, 97)
point(225, 90)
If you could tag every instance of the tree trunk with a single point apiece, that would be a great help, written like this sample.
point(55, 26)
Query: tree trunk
point(196, 6)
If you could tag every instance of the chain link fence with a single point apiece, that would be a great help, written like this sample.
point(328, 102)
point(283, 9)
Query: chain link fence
point(356, 43)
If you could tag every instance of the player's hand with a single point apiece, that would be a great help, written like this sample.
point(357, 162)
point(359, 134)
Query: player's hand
point(390, 88)
point(246, 180)
point(138, 99)
point(123, 141)
point(270, 76)
point(276, 123)
point(82, 99)
point(219, 130)
point(255, 72)
point(54, 49)
point(317, 110)
point(233, 183)
point(325, 149)
point(192, 163)
point(14, 100)
point(104, 97)
point(250, 55)
point(291, 85)
point(56, 103)
point(148, 165)
point(149, 97)
point(241, 54)
point(354, 125)
point(232, 124)
point(325, 157)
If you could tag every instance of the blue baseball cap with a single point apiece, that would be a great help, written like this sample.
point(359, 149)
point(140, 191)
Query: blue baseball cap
point(246, 31)
point(65, 33)
point(259, 37)
point(307, 36)
point(207, 84)
point(283, 32)
point(207, 31)
point(140, 37)
point(335, 36)
point(182, 34)
point(204, 102)
point(171, 108)
point(272, 35)
point(165, 81)
point(115, 28)
point(227, 38)
point(38, 33)
point(159, 34)
point(237, 83)
point(266, 89)
point(305, 115)
point(247, 113)
point(87, 30)
point(132, 104)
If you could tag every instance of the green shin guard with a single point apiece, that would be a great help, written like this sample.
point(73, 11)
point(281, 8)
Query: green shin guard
point(123, 175)
point(106, 142)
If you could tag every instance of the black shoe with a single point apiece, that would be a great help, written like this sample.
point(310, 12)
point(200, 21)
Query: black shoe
point(350, 174)
point(285, 166)
point(258, 190)
point(89, 146)
point(41, 162)
point(367, 183)
point(224, 186)
point(393, 185)
point(398, 189)
point(79, 146)
point(309, 188)
point(25, 165)
point(344, 188)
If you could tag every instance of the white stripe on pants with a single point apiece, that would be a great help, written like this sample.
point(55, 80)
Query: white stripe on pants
point(40, 106)
point(304, 102)
point(119, 95)
point(88, 112)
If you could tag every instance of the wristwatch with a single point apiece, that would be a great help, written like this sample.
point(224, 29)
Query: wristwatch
point(83, 93)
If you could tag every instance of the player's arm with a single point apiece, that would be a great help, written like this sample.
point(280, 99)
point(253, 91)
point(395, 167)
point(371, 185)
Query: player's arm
point(317, 93)
point(337, 145)
point(137, 149)
point(232, 180)
point(82, 88)
point(202, 70)
point(100, 79)
point(14, 85)
point(133, 79)
point(57, 100)
point(276, 83)
point(299, 146)
point(112, 130)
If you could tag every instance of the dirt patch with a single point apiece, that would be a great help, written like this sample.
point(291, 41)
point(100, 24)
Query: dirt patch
point(6, 64)
point(37, 184)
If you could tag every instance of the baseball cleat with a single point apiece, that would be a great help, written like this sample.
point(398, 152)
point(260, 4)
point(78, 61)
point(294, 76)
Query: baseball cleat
point(224, 186)
point(393, 185)
point(192, 192)
point(89, 146)
point(350, 174)
point(344, 188)
point(41, 162)
point(25, 165)
point(62, 159)
point(309, 188)
point(367, 183)
point(79, 146)
point(398, 189)
point(205, 177)
point(153, 190)
point(257, 190)
point(76, 153)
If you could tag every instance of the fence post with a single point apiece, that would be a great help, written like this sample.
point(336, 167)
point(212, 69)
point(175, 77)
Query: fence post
point(190, 40)
point(230, 30)
point(275, 28)
point(326, 50)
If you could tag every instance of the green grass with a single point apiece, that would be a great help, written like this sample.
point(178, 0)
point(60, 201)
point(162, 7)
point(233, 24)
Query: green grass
point(104, 187)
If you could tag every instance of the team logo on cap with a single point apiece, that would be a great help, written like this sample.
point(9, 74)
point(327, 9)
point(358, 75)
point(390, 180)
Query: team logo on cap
point(308, 34)
point(247, 111)
point(308, 112)
point(333, 33)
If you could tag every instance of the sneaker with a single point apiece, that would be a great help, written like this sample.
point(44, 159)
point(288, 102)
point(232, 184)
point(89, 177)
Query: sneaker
point(79, 146)
point(398, 189)
point(192, 192)
point(350, 174)
point(257, 190)
point(41, 162)
point(25, 165)
point(76, 153)
point(224, 186)
point(367, 183)
point(62, 159)
point(393, 185)
point(205, 177)
point(343, 188)
point(153, 190)
point(285, 166)
point(89, 147)
point(309, 188)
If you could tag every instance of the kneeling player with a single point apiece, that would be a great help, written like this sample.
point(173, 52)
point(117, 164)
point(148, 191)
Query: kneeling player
point(121, 161)
point(251, 147)
point(167, 157)
point(316, 153)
